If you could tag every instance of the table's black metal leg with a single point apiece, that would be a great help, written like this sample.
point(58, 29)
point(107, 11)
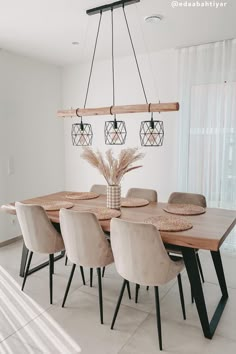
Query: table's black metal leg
point(221, 278)
point(196, 284)
point(193, 274)
point(216, 257)
point(24, 256)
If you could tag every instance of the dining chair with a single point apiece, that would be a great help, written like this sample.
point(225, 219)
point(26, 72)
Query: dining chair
point(143, 193)
point(151, 196)
point(86, 245)
point(130, 241)
point(188, 198)
point(99, 189)
point(39, 236)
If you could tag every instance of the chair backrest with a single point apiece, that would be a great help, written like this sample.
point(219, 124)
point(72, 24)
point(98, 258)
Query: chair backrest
point(99, 189)
point(187, 198)
point(38, 232)
point(149, 194)
point(85, 242)
point(140, 255)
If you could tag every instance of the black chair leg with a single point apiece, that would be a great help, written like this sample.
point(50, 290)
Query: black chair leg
point(200, 267)
point(82, 274)
point(192, 297)
point(66, 260)
point(51, 268)
point(53, 264)
point(158, 314)
point(137, 287)
point(181, 294)
point(147, 288)
point(128, 289)
point(27, 270)
point(91, 277)
point(119, 302)
point(68, 285)
point(100, 293)
point(103, 271)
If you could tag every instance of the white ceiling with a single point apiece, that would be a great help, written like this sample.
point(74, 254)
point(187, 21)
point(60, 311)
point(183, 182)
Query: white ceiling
point(45, 29)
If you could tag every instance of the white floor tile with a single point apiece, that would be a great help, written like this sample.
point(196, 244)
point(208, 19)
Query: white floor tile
point(79, 322)
point(14, 345)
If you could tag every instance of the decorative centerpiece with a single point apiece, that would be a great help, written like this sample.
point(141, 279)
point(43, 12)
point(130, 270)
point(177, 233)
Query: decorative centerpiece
point(113, 169)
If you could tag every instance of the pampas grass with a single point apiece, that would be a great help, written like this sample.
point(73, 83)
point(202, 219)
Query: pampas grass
point(113, 169)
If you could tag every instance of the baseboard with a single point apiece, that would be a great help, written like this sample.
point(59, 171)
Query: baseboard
point(11, 240)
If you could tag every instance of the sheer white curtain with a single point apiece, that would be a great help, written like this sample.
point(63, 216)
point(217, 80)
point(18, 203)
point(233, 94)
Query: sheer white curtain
point(207, 136)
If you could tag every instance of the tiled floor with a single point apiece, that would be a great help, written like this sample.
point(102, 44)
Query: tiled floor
point(28, 324)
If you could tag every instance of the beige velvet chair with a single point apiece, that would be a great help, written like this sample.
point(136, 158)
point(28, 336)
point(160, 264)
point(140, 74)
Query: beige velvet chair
point(141, 257)
point(99, 189)
point(188, 198)
point(149, 194)
point(86, 245)
point(39, 236)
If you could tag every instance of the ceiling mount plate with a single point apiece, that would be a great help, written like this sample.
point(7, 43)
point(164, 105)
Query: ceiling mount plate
point(108, 7)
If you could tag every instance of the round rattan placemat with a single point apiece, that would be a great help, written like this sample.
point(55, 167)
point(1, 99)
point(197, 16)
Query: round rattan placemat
point(169, 223)
point(184, 209)
point(102, 213)
point(133, 202)
point(82, 195)
point(55, 205)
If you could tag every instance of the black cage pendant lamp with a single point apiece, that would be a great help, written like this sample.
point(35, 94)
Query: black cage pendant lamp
point(114, 131)
point(151, 132)
point(81, 133)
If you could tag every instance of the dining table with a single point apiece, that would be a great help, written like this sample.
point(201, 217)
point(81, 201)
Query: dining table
point(208, 232)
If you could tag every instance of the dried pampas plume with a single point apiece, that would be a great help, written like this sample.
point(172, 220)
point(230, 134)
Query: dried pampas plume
point(113, 169)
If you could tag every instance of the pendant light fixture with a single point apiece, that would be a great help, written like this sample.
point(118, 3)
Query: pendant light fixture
point(151, 131)
point(114, 131)
point(81, 133)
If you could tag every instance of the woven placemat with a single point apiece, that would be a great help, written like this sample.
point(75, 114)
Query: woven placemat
point(168, 223)
point(82, 195)
point(184, 209)
point(54, 205)
point(101, 213)
point(133, 202)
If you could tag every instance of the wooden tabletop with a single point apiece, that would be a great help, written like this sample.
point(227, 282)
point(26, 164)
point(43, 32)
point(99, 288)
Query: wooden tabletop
point(209, 230)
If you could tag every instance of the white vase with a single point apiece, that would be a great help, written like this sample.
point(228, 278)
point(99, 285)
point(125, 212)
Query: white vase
point(114, 196)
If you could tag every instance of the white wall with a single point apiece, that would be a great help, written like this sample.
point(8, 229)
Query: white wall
point(31, 136)
point(159, 164)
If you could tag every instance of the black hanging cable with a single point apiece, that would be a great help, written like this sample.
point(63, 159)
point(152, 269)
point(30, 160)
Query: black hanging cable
point(94, 52)
point(141, 80)
point(112, 53)
point(113, 64)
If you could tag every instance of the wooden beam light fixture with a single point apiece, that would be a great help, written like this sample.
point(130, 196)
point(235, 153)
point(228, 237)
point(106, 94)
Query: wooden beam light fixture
point(105, 111)
point(152, 131)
